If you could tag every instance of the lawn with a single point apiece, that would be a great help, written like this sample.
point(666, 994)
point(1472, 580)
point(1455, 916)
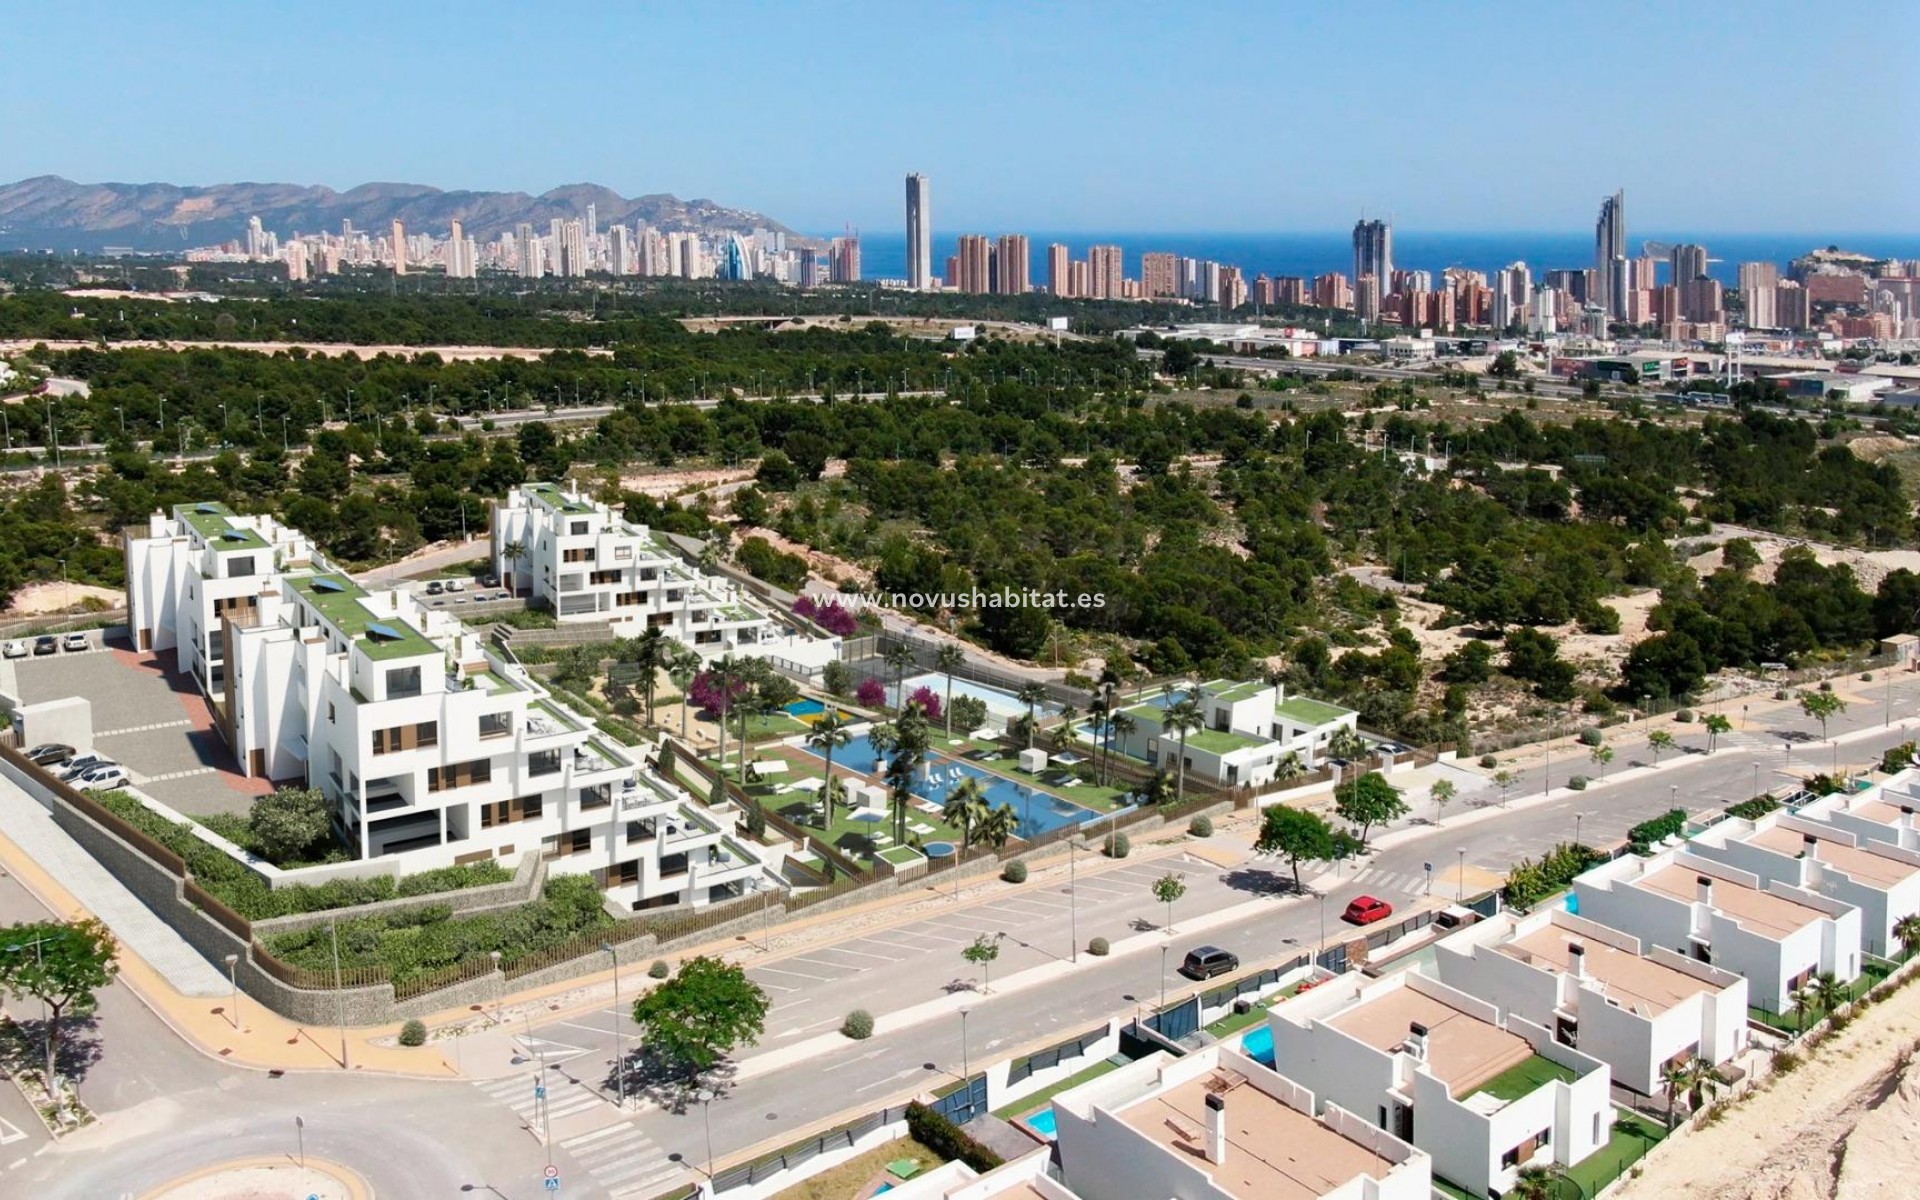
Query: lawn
point(1632, 1137)
point(1521, 1078)
point(1005, 759)
point(1793, 1021)
point(853, 1177)
point(1027, 1104)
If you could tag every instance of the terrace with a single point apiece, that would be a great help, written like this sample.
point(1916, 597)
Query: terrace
point(1463, 1051)
point(341, 603)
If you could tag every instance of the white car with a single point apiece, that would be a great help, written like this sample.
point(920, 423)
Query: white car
point(73, 643)
point(75, 767)
point(15, 649)
point(101, 779)
point(455, 585)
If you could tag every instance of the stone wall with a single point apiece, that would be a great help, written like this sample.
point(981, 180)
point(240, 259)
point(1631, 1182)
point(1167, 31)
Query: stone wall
point(528, 878)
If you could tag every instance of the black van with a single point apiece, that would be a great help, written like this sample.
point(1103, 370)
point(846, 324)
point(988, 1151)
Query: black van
point(1204, 962)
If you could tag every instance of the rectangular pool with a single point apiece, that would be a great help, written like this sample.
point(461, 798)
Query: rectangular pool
point(1043, 1122)
point(1002, 705)
point(1038, 812)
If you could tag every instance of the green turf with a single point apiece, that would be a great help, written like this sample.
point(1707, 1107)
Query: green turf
point(1626, 1147)
point(1522, 1078)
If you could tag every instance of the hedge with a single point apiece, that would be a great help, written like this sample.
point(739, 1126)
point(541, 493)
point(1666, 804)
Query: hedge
point(1754, 809)
point(237, 886)
point(1530, 882)
point(1670, 824)
point(948, 1140)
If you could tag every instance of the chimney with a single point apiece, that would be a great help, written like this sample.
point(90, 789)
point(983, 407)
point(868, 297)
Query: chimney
point(1577, 960)
point(1216, 1127)
point(1416, 1043)
point(1705, 886)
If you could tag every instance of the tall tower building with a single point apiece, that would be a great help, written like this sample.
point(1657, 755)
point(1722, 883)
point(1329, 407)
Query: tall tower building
point(1512, 289)
point(919, 233)
point(1687, 263)
point(1159, 274)
point(459, 265)
point(256, 240)
point(1609, 244)
point(1758, 281)
point(1059, 270)
point(1373, 252)
point(846, 257)
point(620, 250)
point(1012, 263)
point(974, 263)
point(1105, 268)
point(398, 240)
point(527, 249)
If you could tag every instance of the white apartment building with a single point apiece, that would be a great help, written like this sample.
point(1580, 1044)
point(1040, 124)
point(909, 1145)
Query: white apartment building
point(1023, 1178)
point(1249, 728)
point(1880, 880)
point(585, 562)
point(1483, 1094)
point(1599, 992)
point(1778, 936)
point(1883, 815)
point(433, 749)
point(1216, 1125)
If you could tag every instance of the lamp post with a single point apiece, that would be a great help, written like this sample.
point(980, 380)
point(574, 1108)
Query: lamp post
point(1460, 876)
point(1163, 977)
point(619, 1033)
point(339, 997)
point(706, 1112)
point(300, 1132)
point(1577, 818)
point(500, 997)
point(1320, 947)
point(233, 978)
point(1073, 899)
point(966, 1065)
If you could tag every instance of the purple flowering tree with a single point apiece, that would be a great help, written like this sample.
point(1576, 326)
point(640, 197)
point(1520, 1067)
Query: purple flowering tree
point(928, 700)
point(871, 694)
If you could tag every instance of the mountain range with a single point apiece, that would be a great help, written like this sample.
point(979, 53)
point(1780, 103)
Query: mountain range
point(48, 212)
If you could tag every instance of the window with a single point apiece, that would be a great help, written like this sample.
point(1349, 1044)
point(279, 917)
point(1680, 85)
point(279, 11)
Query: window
point(493, 725)
point(622, 553)
point(603, 577)
point(629, 599)
point(543, 762)
point(506, 812)
point(596, 797)
point(403, 682)
point(239, 565)
point(330, 713)
point(579, 841)
point(577, 528)
point(457, 775)
point(578, 554)
point(406, 737)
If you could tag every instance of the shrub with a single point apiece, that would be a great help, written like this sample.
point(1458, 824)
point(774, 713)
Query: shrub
point(1200, 827)
point(1866, 677)
point(948, 1140)
point(1488, 762)
point(1780, 694)
point(1118, 846)
point(659, 969)
point(1098, 947)
point(1898, 758)
point(1683, 715)
point(1590, 736)
point(1754, 809)
point(1826, 685)
point(1014, 872)
point(1785, 1062)
point(1530, 882)
point(1578, 783)
point(871, 693)
point(1646, 833)
point(413, 1033)
point(858, 1025)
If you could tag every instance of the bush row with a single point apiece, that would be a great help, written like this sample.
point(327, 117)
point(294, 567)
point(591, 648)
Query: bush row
point(948, 1140)
point(1530, 882)
point(1671, 823)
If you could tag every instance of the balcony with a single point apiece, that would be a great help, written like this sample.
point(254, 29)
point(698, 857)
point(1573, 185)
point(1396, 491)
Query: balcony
point(683, 828)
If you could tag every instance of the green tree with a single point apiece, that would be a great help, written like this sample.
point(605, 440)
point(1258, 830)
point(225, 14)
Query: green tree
point(289, 822)
point(1166, 890)
point(1535, 1183)
point(1368, 801)
point(1659, 741)
point(828, 734)
point(1182, 718)
point(1441, 793)
point(981, 953)
point(1504, 780)
point(648, 653)
point(63, 965)
point(700, 1016)
point(1716, 725)
point(1693, 1078)
point(1601, 755)
point(1505, 365)
point(1828, 992)
point(1907, 929)
point(1298, 836)
point(950, 659)
point(899, 656)
point(964, 806)
point(683, 666)
point(1032, 694)
point(997, 825)
point(1822, 707)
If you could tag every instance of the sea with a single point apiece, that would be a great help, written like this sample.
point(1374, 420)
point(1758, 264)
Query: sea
point(884, 255)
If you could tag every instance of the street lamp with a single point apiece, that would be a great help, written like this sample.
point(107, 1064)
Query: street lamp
point(500, 997)
point(966, 1066)
point(1460, 876)
point(1320, 947)
point(1163, 977)
point(233, 978)
point(619, 1033)
point(1073, 898)
point(1577, 818)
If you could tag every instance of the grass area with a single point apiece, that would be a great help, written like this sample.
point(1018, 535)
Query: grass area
point(1451, 1190)
point(1794, 1020)
point(901, 856)
point(1632, 1137)
point(1005, 759)
point(853, 1177)
point(1522, 1078)
point(1027, 1104)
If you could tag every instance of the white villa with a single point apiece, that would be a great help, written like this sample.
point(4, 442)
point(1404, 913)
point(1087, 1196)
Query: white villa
point(433, 749)
point(1250, 728)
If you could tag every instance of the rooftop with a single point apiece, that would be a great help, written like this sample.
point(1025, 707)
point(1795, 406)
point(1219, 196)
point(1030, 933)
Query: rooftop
point(1274, 1151)
point(1861, 863)
point(1310, 712)
point(1640, 985)
point(1221, 741)
point(1463, 1050)
point(213, 521)
point(550, 495)
point(1230, 692)
point(1764, 912)
point(342, 603)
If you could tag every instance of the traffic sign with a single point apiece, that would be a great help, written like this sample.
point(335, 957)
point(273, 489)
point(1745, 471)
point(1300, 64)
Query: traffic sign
point(1428, 867)
point(539, 1091)
point(552, 1172)
point(553, 1185)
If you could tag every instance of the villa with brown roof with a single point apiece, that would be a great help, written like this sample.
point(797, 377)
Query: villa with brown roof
point(1777, 936)
point(1483, 1093)
point(1597, 990)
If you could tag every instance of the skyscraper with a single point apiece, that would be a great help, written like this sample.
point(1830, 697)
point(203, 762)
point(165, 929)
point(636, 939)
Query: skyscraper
point(399, 247)
point(256, 240)
point(459, 265)
point(527, 247)
point(846, 257)
point(1758, 281)
point(975, 265)
point(620, 250)
point(1609, 244)
point(1011, 260)
point(1158, 274)
point(1059, 270)
point(1512, 289)
point(919, 233)
point(1373, 252)
point(1687, 263)
point(1104, 268)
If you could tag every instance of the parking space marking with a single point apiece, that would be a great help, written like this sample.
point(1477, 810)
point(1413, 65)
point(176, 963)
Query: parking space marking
point(171, 775)
point(830, 965)
point(798, 974)
point(181, 724)
point(857, 953)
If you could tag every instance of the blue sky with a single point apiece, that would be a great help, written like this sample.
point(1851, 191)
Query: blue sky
point(1175, 115)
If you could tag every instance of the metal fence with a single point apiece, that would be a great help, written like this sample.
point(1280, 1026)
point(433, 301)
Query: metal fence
point(963, 1103)
point(214, 907)
point(1178, 1020)
point(842, 1138)
point(1054, 1055)
point(1220, 997)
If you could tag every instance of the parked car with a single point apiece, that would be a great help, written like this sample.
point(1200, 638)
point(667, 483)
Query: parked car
point(490, 581)
point(455, 585)
point(1365, 910)
point(101, 779)
point(50, 754)
point(1204, 962)
point(46, 643)
point(435, 587)
point(16, 649)
point(76, 767)
point(74, 643)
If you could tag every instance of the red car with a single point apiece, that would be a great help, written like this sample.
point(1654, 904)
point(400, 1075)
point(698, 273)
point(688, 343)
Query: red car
point(1365, 910)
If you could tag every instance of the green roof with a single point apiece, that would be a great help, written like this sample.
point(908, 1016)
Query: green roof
point(1218, 741)
point(1523, 1078)
point(901, 856)
point(214, 523)
point(341, 605)
point(552, 496)
point(1303, 711)
point(1220, 689)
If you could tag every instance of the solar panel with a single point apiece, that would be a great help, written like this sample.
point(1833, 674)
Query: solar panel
point(323, 584)
point(210, 509)
point(384, 633)
point(234, 535)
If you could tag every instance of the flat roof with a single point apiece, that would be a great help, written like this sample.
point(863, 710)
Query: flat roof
point(1310, 712)
point(1218, 741)
point(1764, 912)
point(1230, 692)
point(1637, 983)
point(1274, 1151)
point(213, 521)
point(341, 603)
point(1463, 1050)
point(1860, 862)
point(1879, 811)
point(550, 495)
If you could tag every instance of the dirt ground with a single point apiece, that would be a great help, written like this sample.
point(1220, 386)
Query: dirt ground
point(1869, 566)
point(1843, 1125)
point(37, 598)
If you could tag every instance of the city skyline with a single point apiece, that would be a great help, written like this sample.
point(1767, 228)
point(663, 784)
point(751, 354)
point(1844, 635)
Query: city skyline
point(818, 156)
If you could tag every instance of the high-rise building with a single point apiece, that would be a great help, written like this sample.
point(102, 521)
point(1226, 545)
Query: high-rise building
point(1366, 297)
point(973, 264)
point(1609, 247)
point(1079, 278)
point(1012, 265)
point(846, 257)
point(527, 247)
point(1703, 300)
point(1332, 290)
point(622, 259)
point(1685, 264)
point(1159, 274)
point(460, 263)
point(1105, 268)
point(919, 233)
point(296, 261)
point(1060, 270)
point(1373, 252)
point(256, 240)
point(1757, 283)
point(1233, 288)
point(398, 245)
point(1512, 289)
point(592, 238)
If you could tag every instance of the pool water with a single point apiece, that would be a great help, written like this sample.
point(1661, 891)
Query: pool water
point(1258, 1044)
point(1042, 1122)
point(1002, 705)
point(807, 707)
point(1038, 812)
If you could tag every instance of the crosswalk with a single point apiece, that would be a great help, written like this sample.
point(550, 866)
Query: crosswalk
point(1409, 883)
point(562, 1099)
point(624, 1161)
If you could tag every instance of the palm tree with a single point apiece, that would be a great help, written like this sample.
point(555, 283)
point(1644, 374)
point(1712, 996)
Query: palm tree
point(1063, 733)
point(1183, 718)
point(1440, 793)
point(998, 825)
point(1032, 694)
point(1289, 767)
point(724, 676)
point(1534, 1183)
point(964, 807)
point(1156, 790)
point(649, 653)
point(514, 551)
point(1803, 1001)
point(1109, 682)
point(683, 665)
point(1716, 725)
point(899, 656)
point(1120, 726)
point(1695, 1077)
point(950, 659)
point(1829, 993)
point(1907, 929)
point(828, 734)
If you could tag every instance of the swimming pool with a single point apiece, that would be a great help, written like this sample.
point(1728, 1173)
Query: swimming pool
point(1043, 1122)
point(1002, 705)
point(1258, 1044)
point(805, 707)
point(1038, 812)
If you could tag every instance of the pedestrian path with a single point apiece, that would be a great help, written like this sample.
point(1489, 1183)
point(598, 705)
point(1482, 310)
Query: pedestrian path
point(30, 826)
point(180, 724)
point(523, 1094)
point(189, 773)
point(1411, 883)
point(624, 1161)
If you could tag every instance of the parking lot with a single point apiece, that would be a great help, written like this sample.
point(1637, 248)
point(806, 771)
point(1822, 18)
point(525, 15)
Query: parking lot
point(151, 721)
